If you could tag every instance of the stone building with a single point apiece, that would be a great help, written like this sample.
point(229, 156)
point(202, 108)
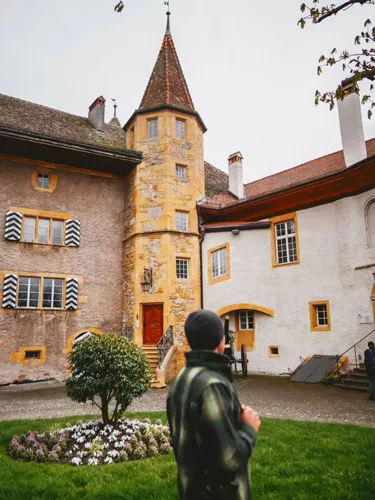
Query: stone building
point(100, 225)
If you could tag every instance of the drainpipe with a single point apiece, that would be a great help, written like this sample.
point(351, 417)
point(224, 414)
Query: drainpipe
point(201, 239)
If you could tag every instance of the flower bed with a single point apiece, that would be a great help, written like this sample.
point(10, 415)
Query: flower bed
point(93, 443)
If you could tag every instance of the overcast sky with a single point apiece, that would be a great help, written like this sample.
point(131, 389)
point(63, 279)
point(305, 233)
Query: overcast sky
point(250, 70)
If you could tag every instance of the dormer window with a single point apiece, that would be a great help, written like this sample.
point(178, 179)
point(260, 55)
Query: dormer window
point(180, 129)
point(43, 181)
point(152, 128)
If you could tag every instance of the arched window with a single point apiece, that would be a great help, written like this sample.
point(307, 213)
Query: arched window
point(370, 222)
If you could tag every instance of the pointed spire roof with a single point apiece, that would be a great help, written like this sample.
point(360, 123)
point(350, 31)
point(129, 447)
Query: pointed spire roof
point(167, 87)
point(167, 84)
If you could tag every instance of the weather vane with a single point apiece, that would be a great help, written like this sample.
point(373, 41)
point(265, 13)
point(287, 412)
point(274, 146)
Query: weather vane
point(166, 2)
point(114, 106)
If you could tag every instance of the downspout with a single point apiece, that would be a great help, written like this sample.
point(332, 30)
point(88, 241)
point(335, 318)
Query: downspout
point(201, 239)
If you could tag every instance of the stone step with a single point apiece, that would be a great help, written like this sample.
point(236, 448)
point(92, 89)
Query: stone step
point(352, 387)
point(359, 375)
point(350, 380)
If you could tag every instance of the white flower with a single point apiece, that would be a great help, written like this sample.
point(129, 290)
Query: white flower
point(76, 461)
point(87, 445)
point(108, 460)
point(93, 461)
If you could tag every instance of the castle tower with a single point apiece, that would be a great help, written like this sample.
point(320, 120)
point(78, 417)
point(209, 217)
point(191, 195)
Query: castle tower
point(161, 239)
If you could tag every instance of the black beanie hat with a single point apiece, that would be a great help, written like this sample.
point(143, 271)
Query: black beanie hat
point(204, 330)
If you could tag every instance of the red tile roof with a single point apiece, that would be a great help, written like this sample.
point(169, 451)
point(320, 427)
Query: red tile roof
point(314, 169)
point(167, 84)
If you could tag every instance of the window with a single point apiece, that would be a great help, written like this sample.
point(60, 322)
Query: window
point(246, 320)
point(273, 351)
point(182, 221)
point(286, 242)
point(33, 354)
point(284, 239)
point(53, 293)
point(182, 269)
point(181, 172)
point(38, 230)
point(28, 292)
point(180, 129)
point(43, 181)
point(29, 295)
point(153, 128)
point(320, 316)
point(218, 264)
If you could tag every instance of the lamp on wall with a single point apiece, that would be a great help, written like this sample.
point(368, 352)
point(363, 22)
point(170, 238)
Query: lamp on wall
point(146, 281)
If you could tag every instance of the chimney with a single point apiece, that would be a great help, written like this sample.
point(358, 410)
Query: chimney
point(96, 113)
point(236, 174)
point(352, 136)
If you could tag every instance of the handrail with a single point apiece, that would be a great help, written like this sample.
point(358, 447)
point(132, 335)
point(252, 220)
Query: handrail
point(128, 332)
point(339, 356)
point(164, 344)
point(359, 341)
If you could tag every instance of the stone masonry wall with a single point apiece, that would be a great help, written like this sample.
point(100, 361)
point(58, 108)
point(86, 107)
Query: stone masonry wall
point(98, 202)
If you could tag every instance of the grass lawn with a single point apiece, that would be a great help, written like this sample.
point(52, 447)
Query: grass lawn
point(292, 461)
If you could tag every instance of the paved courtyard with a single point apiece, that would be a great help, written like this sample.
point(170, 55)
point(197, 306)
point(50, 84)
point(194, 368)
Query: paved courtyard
point(274, 397)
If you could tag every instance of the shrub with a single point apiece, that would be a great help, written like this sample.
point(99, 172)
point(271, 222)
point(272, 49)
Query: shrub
point(107, 368)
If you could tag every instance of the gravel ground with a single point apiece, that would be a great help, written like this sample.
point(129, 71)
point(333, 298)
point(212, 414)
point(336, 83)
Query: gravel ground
point(274, 397)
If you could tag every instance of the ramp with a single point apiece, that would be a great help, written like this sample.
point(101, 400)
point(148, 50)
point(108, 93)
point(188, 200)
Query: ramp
point(314, 369)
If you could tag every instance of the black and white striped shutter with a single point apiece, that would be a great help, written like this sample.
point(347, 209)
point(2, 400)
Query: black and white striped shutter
point(72, 233)
point(13, 224)
point(10, 291)
point(71, 294)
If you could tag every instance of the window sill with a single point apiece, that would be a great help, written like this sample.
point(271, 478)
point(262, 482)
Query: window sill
point(287, 264)
point(321, 328)
point(43, 244)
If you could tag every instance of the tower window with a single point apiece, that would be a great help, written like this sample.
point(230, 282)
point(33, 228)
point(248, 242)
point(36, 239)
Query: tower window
point(182, 269)
point(180, 129)
point(182, 221)
point(181, 172)
point(153, 128)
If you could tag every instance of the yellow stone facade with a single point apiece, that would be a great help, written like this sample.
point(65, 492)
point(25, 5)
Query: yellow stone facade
point(150, 238)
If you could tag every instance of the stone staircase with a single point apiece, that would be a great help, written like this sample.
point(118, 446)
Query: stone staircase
point(151, 352)
point(356, 380)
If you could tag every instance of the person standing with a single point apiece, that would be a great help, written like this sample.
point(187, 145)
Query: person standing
point(213, 435)
point(370, 368)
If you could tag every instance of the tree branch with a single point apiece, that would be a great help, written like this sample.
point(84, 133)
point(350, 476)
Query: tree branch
point(343, 6)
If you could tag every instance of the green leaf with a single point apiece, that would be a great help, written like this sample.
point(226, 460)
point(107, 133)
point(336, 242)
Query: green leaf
point(369, 114)
point(303, 7)
point(319, 70)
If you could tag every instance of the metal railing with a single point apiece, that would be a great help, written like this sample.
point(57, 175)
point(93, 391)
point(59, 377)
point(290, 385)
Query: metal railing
point(354, 346)
point(128, 332)
point(164, 344)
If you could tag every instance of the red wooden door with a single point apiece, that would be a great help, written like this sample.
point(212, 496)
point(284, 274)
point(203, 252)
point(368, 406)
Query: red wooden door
point(152, 323)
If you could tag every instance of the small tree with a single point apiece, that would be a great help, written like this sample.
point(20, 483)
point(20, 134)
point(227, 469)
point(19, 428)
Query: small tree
point(106, 368)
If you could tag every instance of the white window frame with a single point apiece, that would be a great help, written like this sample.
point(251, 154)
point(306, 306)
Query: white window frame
point(323, 310)
point(182, 266)
point(53, 306)
point(43, 179)
point(290, 237)
point(28, 291)
point(182, 221)
point(181, 171)
point(219, 263)
point(152, 128)
point(249, 318)
point(180, 128)
point(51, 229)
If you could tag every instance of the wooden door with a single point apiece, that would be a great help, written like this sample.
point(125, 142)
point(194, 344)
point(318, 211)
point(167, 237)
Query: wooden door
point(152, 323)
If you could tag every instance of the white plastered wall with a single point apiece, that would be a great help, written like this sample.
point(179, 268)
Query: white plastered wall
point(332, 242)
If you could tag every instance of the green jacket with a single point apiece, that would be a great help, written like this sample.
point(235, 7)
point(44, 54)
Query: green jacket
point(211, 444)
